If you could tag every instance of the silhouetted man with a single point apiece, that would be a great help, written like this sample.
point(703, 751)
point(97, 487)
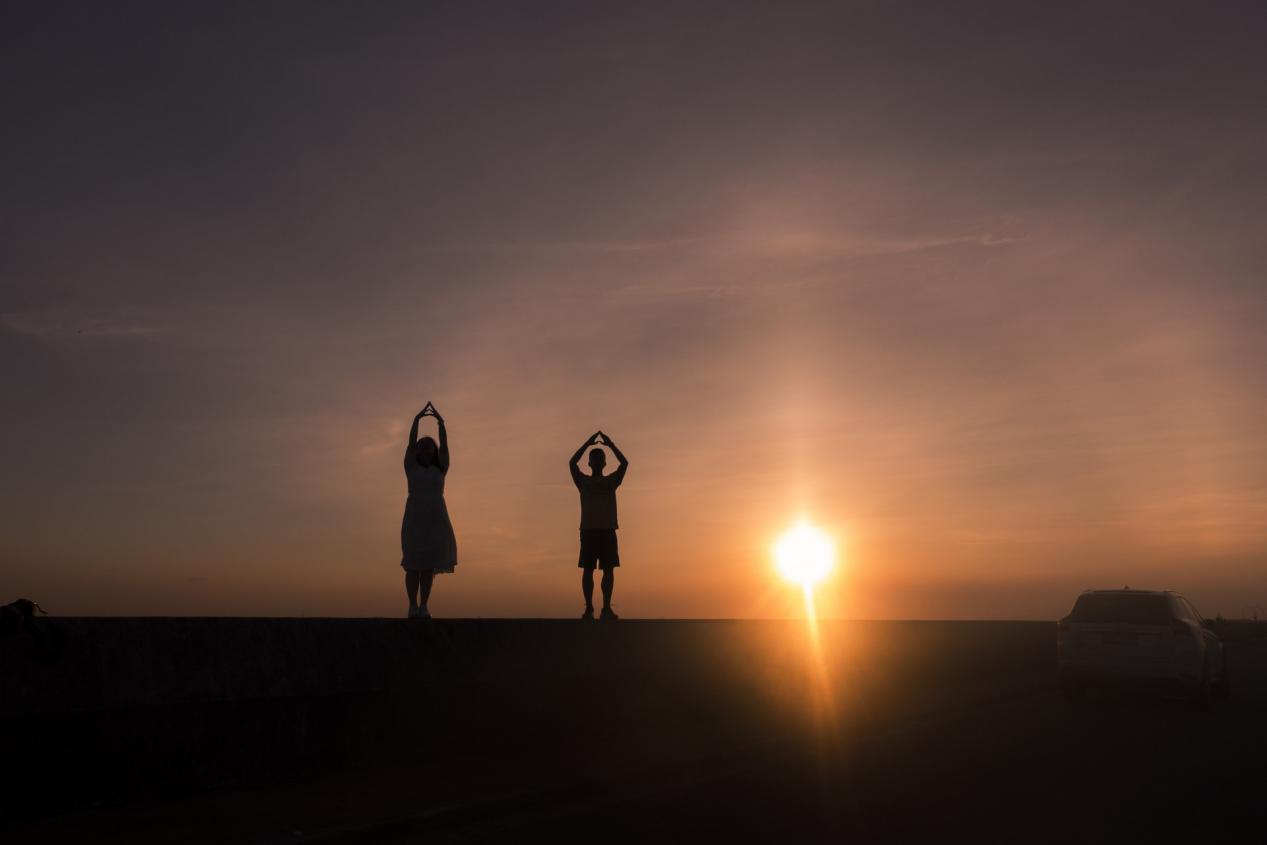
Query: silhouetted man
point(598, 520)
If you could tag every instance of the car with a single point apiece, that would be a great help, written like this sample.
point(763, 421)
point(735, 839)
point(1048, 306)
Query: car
point(1153, 638)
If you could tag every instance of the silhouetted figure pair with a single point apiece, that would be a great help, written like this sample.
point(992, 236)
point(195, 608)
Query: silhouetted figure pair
point(598, 520)
point(427, 543)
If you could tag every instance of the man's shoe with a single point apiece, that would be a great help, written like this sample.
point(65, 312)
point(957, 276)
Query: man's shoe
point(608, 614)
point(588, 614)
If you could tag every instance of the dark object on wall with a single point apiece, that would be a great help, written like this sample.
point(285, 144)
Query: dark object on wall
point(19, 616)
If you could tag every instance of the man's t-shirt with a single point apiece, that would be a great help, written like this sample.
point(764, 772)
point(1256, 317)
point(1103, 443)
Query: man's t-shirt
point(598, 498)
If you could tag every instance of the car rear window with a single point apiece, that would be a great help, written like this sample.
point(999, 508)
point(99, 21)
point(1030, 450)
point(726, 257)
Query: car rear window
point(1121, 608)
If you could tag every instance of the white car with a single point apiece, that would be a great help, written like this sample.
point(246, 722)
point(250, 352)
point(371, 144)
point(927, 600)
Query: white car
point(1146, 637)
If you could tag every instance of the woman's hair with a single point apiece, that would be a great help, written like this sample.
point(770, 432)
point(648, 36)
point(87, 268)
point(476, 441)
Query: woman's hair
point(435, 454)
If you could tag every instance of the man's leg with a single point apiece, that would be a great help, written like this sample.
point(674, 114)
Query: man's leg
point(609, 583)
point(587, 587)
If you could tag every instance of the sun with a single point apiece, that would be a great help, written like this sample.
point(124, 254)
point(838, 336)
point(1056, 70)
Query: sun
point(804, 555)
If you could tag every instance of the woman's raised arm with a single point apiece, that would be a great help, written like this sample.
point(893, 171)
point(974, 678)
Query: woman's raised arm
point(413, 435)
point(444, 440)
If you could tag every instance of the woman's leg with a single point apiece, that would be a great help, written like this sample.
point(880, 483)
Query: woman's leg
point(425, 579)
point(411, 587)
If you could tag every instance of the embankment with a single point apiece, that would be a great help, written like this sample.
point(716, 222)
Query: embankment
point(105, 710)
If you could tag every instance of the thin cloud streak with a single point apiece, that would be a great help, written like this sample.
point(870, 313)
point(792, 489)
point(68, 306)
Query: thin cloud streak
point(70, 323)
point(586, 247)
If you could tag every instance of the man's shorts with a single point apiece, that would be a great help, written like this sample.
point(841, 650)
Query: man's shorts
point(598, 548)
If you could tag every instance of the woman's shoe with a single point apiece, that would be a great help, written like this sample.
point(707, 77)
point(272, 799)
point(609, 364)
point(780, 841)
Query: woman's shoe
point(415, 612)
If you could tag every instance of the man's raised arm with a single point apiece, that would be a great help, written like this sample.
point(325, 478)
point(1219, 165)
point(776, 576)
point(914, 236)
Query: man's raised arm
point(619, 475)
point(576, 456)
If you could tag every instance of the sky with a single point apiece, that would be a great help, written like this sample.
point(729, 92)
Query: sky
point(979, 289)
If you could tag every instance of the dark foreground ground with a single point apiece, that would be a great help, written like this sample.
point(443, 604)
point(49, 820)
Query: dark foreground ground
point(391, 732)
point(1032, 768)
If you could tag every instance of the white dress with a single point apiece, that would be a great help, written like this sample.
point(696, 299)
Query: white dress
point(426, 534)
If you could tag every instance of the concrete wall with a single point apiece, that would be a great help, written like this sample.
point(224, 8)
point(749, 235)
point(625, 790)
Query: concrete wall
point(100, 710)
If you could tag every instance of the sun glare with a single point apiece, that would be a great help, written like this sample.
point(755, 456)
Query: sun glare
point(804, 555)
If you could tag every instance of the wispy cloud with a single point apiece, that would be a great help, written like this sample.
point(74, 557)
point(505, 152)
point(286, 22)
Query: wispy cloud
point(791, 249)
point(565, 246)
point(740, 243)
point(69, 323)
point(836, 245)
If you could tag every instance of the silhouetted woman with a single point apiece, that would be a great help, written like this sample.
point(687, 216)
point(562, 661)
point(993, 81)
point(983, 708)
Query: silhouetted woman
point(427, 543)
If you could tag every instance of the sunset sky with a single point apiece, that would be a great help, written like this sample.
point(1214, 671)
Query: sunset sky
point(981, 290)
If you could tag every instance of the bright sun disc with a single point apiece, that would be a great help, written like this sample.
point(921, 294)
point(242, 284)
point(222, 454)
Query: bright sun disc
point(804, 555)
